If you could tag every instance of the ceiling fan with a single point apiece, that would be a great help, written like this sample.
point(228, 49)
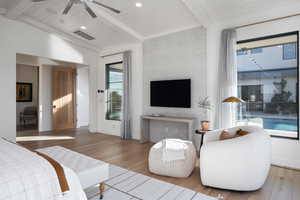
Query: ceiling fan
point(86, 6)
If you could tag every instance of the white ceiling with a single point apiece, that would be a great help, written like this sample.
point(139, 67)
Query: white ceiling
point(106, 34)
point(239, 12)
point(8, 4)
point(156, 17)
point(251, 7)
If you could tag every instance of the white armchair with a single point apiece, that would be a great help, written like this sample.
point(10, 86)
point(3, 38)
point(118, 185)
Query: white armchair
point(240, 164)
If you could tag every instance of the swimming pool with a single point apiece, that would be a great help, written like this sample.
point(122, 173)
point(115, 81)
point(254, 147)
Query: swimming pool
point(281, 124)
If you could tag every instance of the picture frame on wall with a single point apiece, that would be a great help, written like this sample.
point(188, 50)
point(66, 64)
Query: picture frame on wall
point(24, 92)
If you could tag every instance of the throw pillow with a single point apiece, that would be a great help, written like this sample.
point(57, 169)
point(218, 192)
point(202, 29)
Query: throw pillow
point(241, 132)
point(225, 135)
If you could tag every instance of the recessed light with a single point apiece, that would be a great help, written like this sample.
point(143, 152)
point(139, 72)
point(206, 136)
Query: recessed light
point(138, 4)
point(83, 27)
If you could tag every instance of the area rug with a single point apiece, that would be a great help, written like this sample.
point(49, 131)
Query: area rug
point(124, 184)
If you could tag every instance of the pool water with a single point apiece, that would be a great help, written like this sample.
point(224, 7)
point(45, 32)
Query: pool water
point(281, 124)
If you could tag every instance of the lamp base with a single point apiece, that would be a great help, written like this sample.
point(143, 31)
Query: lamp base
point(205, 125)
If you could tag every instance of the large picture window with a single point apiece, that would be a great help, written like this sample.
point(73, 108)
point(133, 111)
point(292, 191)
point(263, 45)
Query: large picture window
point(268, 83)
point(114, 87)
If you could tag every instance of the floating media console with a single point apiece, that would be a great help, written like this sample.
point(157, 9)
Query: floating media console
point(145, 132)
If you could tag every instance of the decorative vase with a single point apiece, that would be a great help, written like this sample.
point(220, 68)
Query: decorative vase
point(205, 125)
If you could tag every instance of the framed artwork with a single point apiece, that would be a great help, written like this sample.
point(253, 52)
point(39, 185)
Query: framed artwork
point(24, 92)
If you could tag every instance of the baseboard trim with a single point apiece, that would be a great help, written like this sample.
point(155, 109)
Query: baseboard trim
point(285, 163)
point(290, 168)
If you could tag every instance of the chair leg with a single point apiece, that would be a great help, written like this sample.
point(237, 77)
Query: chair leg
point(101, 188)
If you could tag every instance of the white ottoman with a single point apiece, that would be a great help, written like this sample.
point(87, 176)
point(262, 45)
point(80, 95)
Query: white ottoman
point(89, 170)
point(180, 166)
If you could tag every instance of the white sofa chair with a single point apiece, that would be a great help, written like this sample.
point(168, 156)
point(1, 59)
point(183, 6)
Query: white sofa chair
point(240, 164)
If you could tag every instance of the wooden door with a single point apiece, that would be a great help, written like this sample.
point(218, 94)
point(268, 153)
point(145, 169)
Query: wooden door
point(64, 97)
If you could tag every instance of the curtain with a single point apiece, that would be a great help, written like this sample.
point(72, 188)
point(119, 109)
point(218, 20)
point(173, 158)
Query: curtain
point(225, 113)
point(126, 98)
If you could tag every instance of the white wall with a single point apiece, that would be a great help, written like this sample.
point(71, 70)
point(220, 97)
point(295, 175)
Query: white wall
point(180, 55)
point(27, 74)
point(17, 37)
point(83, 96)
point(137, 78)
point(27, 60)
point(45, 98)
point(285, 152)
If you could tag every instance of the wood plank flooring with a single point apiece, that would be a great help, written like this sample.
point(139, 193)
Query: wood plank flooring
point(282, 184)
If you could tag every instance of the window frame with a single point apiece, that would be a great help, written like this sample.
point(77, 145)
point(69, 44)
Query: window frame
point(297, 57)
point(107, 70)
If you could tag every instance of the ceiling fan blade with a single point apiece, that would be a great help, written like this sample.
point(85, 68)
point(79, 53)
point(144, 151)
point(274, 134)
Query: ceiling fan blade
point(69, 6)
point(34, 1)
point(107, 7)
point(89, 10)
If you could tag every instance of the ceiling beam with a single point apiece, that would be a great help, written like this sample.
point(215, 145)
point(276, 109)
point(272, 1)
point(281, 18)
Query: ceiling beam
point(201, 11)
point(19, 9)
point(172, 31)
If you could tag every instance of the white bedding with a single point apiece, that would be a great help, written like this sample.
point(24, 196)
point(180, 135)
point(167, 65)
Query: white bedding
point(26, 176)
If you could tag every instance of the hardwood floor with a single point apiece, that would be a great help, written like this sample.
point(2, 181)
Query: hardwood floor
point(282, 184)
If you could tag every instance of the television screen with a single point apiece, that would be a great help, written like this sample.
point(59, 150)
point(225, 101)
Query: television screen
point(171, 93)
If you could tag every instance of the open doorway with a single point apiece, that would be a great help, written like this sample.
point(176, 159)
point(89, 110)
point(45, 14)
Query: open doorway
point(56, 93)
point(27, 81)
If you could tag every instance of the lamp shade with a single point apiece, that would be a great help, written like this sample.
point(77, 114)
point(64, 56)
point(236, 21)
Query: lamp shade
point(233, 99)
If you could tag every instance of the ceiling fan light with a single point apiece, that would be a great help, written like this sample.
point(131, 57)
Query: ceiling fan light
point(83, 27)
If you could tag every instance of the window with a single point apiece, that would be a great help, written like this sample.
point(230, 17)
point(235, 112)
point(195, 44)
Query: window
point(241, 52)
point(289, 51)
point(114, 87)
point(253, 95)
point(269, 85)
point(256, 50)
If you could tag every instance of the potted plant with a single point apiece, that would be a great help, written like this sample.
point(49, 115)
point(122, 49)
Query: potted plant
point(206, 105)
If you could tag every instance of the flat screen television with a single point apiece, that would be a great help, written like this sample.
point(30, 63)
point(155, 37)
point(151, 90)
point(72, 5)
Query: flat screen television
point(171, 93)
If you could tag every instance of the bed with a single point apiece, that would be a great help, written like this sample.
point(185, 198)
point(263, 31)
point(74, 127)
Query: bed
point(24, 175)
